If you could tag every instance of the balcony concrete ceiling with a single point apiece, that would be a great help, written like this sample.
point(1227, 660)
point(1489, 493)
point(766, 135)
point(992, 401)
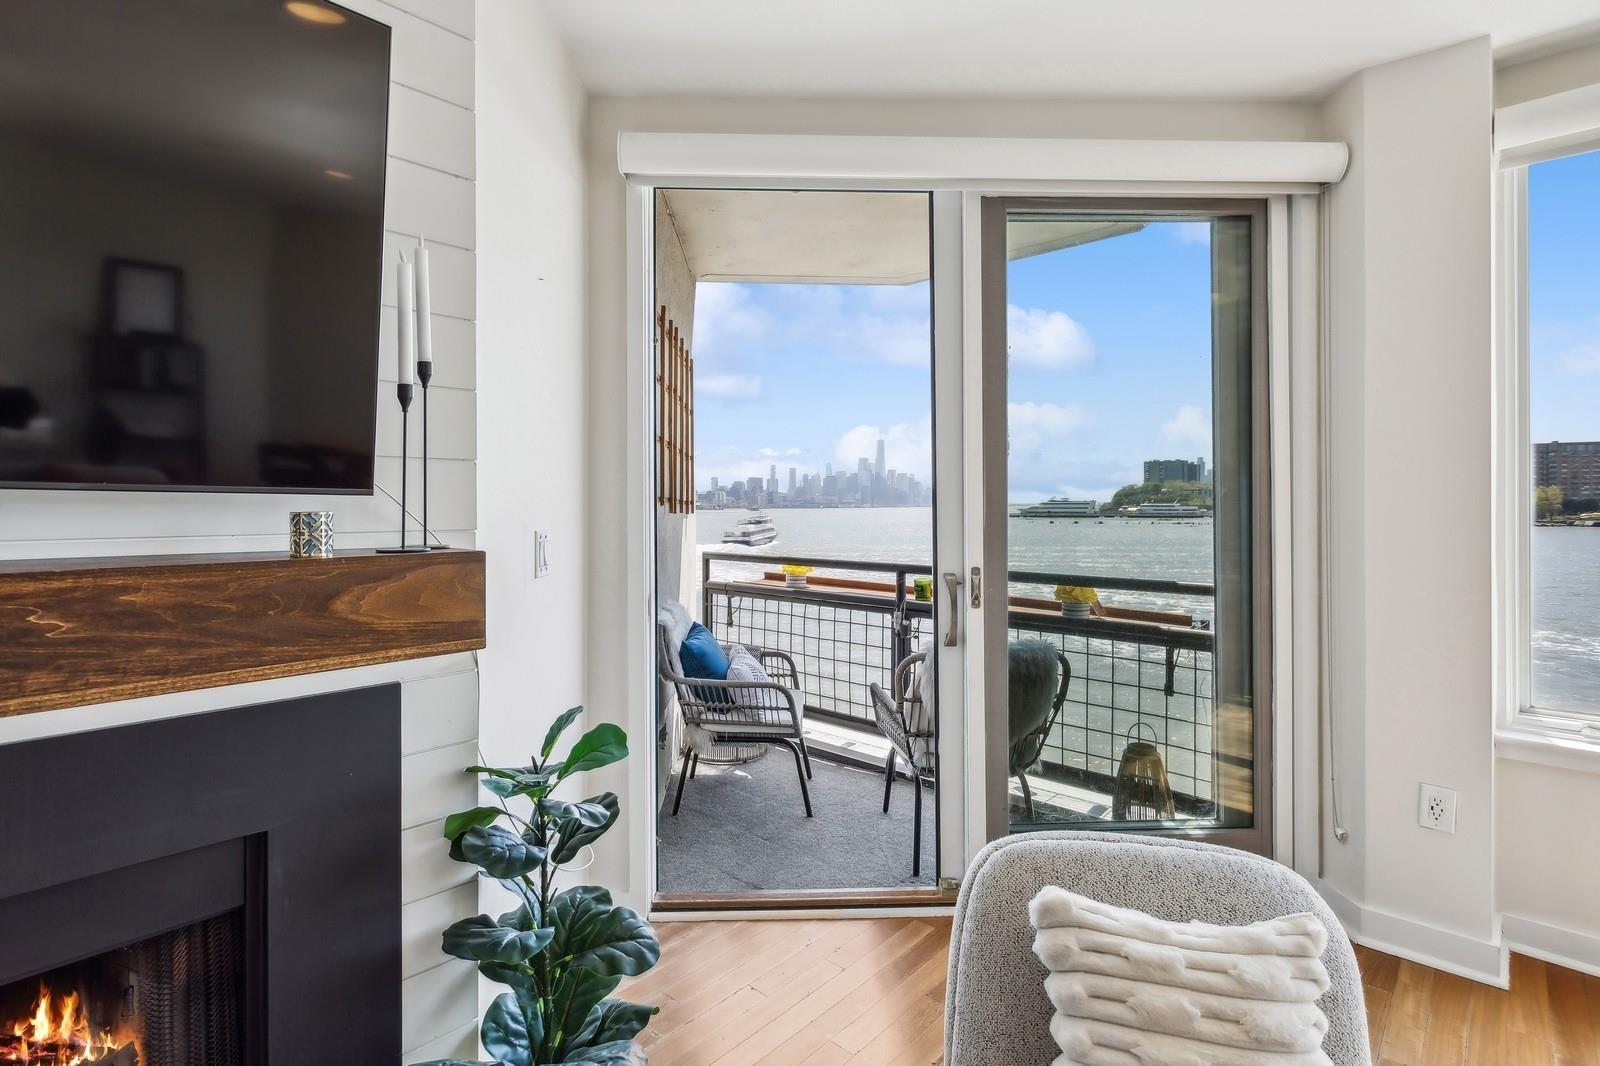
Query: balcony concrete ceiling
point(1126, 49)
point(844, 238)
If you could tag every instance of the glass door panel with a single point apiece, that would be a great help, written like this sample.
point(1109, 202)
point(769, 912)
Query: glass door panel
point(1131, 518)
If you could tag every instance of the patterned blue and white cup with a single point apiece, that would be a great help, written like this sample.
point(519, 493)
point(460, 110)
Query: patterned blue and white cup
point(311, 534)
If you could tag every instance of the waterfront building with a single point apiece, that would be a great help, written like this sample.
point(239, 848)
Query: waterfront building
point(1572, 466)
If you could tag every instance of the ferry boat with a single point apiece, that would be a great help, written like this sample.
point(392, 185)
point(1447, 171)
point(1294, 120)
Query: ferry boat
point(1061, 507)
point(751, 532)
point(1168, 510)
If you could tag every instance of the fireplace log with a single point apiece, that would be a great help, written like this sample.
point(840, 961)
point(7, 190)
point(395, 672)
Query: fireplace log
point(10, 1045)
point(126, 1055)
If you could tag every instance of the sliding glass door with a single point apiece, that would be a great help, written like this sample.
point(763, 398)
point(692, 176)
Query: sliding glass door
point(1124, 525)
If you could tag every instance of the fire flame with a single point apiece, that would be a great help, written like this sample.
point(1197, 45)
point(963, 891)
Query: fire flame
point(58, 1034)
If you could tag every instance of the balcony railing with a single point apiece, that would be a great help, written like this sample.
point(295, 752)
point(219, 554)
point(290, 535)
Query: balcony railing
point(855, 620)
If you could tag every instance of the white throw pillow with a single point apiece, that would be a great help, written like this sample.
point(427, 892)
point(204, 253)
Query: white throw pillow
point(1133, 990)
point(743, 666)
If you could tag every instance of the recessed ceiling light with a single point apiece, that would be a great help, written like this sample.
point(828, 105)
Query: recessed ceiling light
point(310, 11)
point(339, 174)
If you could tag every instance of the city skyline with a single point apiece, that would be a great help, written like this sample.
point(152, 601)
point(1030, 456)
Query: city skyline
point(872, 484)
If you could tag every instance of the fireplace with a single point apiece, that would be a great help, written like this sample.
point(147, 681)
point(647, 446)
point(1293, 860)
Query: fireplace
point(216, 890)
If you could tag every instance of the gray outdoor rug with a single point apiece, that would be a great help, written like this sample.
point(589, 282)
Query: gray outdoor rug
point(743, 828)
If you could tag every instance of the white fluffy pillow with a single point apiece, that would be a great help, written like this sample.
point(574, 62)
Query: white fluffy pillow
point(1133, 990)
point(743, 666)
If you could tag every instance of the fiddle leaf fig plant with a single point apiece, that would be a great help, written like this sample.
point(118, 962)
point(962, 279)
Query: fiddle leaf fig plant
point(561, 954)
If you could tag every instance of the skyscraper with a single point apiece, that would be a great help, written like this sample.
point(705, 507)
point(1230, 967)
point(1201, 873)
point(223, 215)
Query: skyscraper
point(878, 467)
point(792, 481)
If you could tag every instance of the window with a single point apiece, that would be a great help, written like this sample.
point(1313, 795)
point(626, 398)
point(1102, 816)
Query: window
point(1559, 349)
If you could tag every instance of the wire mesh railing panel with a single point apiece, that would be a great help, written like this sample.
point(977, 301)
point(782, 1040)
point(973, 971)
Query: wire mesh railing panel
point(1151, 680)
point(1120, 687)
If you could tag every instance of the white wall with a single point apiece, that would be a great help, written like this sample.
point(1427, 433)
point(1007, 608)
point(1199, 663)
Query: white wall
point(533, 471)
point(1409, 451)
point(430, 190)
point(613, 605)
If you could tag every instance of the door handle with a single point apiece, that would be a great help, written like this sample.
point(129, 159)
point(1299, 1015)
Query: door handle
point(952, 581)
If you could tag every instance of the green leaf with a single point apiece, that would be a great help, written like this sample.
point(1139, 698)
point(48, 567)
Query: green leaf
point(455, 1062)
point(508, 781)
point(482, 939)
point(612, 1020)
point(576, 994)
point(457, 824)
point(598, 936)
point(557, 727)
point(615, 1053)
point(572, 834)
point(586, 813)
point(508, 1034)
point(600, 746)
point(525, 892)
point(500, 852)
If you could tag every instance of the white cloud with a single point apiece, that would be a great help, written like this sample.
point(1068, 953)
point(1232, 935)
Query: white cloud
point(1039, 338)
point(1045, 419)
point(1191, 232)
point(1190, 425)
point(1044, 448)
point(724, 318)
point(730, 387)
point(907, 446)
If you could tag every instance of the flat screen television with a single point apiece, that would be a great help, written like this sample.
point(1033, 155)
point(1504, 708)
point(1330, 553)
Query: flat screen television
point(191, 258)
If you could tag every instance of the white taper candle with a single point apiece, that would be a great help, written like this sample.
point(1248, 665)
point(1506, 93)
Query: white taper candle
point(424, 306)
point(404, 289)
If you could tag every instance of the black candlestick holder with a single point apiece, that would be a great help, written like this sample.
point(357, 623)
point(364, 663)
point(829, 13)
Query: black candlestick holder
point(403, 392)
point(425, 375)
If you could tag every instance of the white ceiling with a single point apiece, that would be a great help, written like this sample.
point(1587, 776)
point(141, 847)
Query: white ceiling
point(1216, 49)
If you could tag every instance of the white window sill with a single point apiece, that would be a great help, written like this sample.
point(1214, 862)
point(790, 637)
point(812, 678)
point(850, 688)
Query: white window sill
point(1548, 742)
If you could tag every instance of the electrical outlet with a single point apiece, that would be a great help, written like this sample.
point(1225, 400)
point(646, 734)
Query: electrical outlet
point(1436, 808)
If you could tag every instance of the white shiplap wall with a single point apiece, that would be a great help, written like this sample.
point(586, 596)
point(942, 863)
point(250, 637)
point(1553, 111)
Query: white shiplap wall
point(430, 192)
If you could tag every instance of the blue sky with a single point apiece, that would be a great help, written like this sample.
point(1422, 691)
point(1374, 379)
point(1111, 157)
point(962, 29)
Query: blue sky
point(1110, 366)
point(1564, 298)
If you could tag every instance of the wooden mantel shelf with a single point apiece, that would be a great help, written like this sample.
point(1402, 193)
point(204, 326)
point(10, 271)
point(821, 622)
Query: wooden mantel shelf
point(81, 631)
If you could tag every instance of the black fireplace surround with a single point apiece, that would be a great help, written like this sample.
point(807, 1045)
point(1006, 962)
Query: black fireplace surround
point(285, 817)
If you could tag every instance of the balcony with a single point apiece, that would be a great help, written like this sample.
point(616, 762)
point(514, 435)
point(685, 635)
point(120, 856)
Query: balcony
point(1144, 668)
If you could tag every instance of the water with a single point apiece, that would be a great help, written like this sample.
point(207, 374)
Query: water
point(1566, 570)
point(1566, 618)
point(1173, 549)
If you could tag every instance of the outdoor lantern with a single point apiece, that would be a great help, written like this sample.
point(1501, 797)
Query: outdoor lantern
point(1141, 780)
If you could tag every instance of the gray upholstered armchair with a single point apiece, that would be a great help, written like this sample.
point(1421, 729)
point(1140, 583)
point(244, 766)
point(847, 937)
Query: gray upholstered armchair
point(737, 712)
point(996, 1011)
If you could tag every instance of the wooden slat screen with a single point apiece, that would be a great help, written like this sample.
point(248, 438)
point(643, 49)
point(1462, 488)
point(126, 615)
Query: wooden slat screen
point(674, 418)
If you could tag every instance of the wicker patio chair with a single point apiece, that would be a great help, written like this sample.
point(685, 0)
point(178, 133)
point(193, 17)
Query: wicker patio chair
point(738, 712)
point(903, 720)
point(1038, 680)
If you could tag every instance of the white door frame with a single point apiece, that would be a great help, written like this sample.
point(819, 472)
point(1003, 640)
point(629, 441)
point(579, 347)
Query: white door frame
point(1295, 173)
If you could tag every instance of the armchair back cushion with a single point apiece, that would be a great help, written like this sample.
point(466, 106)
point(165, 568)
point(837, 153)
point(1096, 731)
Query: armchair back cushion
point(702, 656)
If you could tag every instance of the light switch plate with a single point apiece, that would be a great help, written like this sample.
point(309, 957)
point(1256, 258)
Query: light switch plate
point(541, 554)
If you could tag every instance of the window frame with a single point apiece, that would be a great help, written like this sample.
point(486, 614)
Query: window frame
point(1524, 731)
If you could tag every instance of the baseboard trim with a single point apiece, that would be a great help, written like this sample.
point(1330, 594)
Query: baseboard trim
point(1483, 961)
point(1552, 944)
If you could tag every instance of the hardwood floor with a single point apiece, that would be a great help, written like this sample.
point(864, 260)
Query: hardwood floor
point(828, 992)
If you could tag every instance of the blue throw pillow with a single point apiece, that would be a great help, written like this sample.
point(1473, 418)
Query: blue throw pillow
point(702, 656)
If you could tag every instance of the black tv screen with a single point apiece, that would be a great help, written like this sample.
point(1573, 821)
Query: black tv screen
point(191, 257)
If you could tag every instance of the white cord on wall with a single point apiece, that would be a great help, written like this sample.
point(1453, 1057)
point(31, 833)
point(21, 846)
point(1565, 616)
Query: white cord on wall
point(1324, 556)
